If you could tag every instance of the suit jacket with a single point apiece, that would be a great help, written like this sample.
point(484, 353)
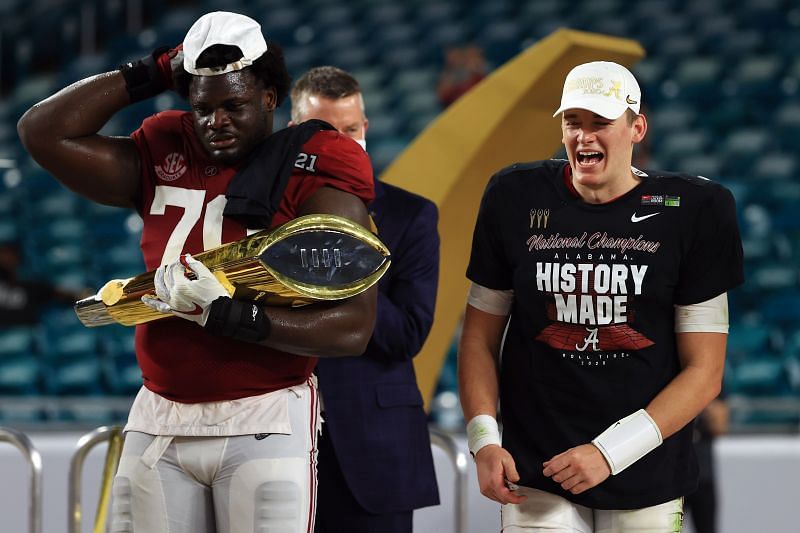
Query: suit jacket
point(373, 407)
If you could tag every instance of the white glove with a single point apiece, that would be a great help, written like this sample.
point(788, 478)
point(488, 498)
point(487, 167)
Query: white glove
point(184, 297)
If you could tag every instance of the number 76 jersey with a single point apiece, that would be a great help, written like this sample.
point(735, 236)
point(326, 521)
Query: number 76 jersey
point(181, 203)
point(591, 337)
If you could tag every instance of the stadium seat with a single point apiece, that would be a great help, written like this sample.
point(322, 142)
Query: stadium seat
point(339, 16)
point(740, 149)
point(698, 78)
point(19, 362)
point(421, 121)
point(787, 119)
point(682, 143)
point(17, 341)
point(669, 116)
point(301, 58)
point(756, 74)
point(385, 14)
point(501, 41)
point(775, 166)
point(19, 375)
point(733, 44)
point(347, 36)
point(678, 46)
point(385, 150)
point(760, 376)
point(73, 364)
point(764, 16)
point(541, 10)
point(775, 277)
point(120, 369)
point(666, 20)
point(370, 79)
point(281, 23)
point(348, 57)
point(650, 73)
point(87, 413)
point(729, 115)
point(8, 231)
point(381, 126)
point(782, 308)
point(616, 26)
point(708, 166)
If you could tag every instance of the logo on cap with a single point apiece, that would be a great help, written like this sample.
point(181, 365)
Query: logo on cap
point(603, 87)
point(594, 85)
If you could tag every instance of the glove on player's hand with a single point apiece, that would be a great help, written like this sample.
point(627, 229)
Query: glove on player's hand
point(182, 296)
point(152, 74)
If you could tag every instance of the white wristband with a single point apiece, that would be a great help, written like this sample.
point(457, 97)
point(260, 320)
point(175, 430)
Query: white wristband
point(628, 440)
point(482, 430)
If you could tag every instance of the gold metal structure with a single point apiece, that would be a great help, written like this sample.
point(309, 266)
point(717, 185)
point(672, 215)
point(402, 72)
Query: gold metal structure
point(308, 259)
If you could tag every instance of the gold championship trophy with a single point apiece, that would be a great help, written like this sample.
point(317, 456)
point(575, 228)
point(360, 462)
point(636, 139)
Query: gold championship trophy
point(311, 258)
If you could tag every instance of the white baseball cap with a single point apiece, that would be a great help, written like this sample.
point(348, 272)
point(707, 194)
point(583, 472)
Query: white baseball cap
point(601, 87)
point(222, 27)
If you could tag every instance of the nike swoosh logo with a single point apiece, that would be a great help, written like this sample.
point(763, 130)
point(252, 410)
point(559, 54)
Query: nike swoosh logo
point(196, 311)
point(630, 100)
point(634, 218)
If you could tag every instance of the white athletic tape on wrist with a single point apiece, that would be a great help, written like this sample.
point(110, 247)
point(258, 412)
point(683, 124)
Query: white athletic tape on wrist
point(482, 430)
point(628, 440)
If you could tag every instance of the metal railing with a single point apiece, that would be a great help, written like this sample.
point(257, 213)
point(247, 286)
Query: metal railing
point(459, 459)
point(114, 436)
point(24, 445)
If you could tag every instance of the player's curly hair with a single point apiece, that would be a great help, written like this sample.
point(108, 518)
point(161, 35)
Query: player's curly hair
point(270, 68)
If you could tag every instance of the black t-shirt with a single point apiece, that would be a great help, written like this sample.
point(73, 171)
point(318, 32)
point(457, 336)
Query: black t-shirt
point(591, 336)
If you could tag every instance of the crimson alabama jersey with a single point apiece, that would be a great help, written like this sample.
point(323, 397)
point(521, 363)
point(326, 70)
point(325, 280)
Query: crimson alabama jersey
point(182, 201)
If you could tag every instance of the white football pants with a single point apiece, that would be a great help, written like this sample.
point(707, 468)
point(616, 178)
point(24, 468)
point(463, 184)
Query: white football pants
point(550, 513)
point(242, 484)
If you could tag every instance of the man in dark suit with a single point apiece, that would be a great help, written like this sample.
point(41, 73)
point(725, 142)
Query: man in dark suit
point(375, 462)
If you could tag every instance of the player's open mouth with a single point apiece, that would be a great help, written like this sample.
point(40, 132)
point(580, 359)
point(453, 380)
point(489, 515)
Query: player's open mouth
point(222, 142)
point(589, 158)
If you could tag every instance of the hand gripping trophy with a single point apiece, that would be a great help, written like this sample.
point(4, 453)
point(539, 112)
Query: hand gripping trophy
point(311, 258)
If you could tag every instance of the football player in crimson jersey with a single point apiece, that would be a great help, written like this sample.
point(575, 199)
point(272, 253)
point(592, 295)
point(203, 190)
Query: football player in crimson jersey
point(222, 436)
point(612, 283)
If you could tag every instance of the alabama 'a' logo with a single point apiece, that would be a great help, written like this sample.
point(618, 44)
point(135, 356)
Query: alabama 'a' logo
point(173, 167)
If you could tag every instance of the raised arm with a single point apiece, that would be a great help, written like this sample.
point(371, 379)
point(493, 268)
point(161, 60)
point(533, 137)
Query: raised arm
point(61, 134)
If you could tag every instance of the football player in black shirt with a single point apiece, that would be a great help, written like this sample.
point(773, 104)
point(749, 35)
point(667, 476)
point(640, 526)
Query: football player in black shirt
point(610, 285)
